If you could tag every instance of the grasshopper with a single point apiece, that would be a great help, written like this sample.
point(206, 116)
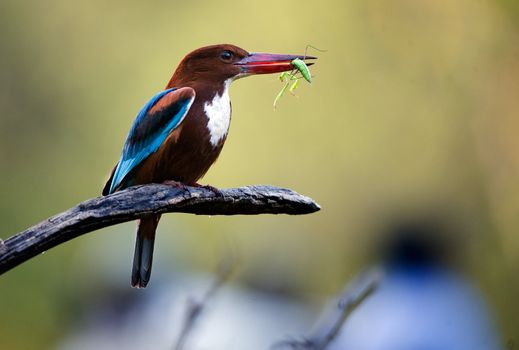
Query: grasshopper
point(291, 79)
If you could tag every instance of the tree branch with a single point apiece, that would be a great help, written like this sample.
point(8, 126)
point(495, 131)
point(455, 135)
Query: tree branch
point(196, 307)
point(333, 320)
point(139, 201)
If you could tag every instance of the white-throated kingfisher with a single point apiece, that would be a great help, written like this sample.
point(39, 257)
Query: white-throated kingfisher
point(180, 132)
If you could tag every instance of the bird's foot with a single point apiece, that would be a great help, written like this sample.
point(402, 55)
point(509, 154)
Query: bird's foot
point(213, 189)
point(180, 185)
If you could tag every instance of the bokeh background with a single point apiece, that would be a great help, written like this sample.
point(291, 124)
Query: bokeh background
point(413, 111)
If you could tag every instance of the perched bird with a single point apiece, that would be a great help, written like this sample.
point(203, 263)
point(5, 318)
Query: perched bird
point(180, 132)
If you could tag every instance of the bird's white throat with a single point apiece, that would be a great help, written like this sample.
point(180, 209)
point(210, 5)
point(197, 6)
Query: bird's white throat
point(218, 112)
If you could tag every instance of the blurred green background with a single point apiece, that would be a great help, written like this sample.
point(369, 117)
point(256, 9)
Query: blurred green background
point(414, 106)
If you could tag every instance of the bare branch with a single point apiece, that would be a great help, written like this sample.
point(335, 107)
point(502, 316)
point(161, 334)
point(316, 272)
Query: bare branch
point(330, 326)
point(140, 201)
point(196, 307)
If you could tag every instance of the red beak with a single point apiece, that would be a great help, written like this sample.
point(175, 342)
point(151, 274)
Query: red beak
point(265, 63)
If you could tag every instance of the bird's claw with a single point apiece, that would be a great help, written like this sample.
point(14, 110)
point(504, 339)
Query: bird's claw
point(180, 185)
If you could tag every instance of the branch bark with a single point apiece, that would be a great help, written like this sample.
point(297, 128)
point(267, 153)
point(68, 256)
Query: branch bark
point(139, 201)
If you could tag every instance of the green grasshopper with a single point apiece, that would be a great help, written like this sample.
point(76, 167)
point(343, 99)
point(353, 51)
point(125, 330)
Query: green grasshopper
point(301, 66)
point(291, 79)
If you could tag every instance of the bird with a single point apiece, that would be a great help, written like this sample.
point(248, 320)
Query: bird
point(179, 133)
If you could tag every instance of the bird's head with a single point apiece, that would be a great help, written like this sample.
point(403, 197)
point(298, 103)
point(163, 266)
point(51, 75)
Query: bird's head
point(219, 63)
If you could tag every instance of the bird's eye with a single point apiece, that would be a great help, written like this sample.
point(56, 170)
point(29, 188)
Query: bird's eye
point(226, 55)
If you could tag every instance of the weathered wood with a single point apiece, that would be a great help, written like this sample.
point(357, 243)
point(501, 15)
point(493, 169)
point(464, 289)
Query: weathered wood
point(140, 201)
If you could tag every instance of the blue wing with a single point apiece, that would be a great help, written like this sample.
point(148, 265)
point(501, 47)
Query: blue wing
point(156, 120)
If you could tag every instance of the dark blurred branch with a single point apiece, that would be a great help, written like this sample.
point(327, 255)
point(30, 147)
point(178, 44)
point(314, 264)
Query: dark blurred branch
point(196, 307)
point(139, 201)
point(330, 326)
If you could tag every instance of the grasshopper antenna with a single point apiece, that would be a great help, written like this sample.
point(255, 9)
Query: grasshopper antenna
point(312, 47)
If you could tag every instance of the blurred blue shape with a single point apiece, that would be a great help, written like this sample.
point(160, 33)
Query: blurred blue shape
point(420, 303)
point(420, 309)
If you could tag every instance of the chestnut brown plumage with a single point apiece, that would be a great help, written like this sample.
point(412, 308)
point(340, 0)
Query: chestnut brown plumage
point(180, 132)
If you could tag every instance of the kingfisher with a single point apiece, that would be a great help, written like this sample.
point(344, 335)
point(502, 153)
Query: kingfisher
point(180, 132)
